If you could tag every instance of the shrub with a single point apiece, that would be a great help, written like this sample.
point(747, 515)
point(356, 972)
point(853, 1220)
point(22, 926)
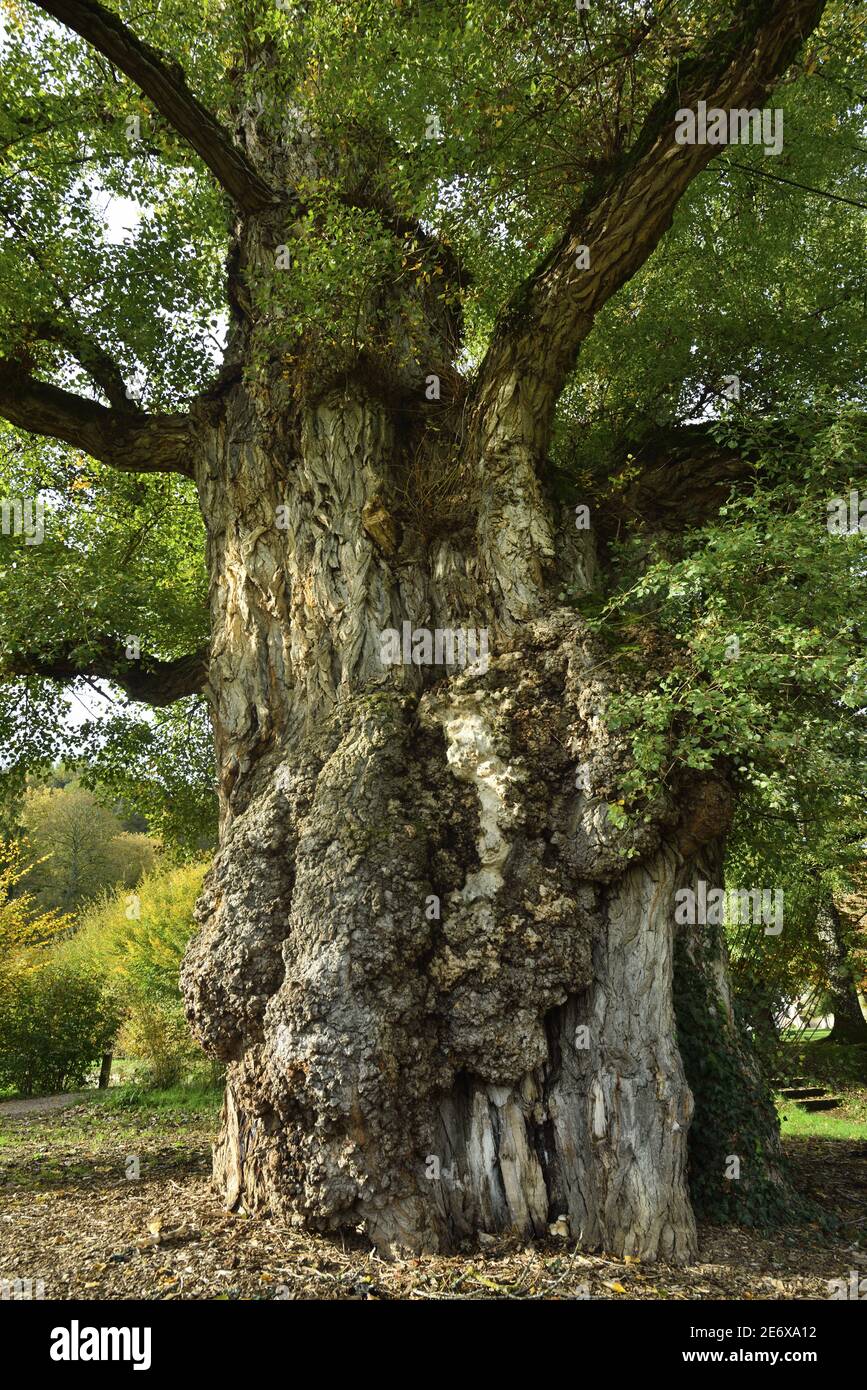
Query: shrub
point(158, 1034)
point(55, 1024)
point(25, 932)
point(137, 940)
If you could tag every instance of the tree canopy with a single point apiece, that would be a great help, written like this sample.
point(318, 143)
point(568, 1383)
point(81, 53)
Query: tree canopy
point(491, 125)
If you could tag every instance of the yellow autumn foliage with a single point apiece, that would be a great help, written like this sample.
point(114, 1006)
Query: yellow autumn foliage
point(26, 933)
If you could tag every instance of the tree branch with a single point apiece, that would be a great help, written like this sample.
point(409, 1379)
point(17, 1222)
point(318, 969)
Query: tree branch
point(159, 683)
point(100, 367)
point(623, 218)
point(685, 476)
point(128, 440)
point(164, 83)
point(681, 476)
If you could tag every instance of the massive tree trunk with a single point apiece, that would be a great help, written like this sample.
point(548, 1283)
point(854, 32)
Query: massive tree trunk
point(442, 979)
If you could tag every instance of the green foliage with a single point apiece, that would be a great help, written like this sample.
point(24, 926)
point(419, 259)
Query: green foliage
point(140, 938)
point(66, 153)
point(150, 951)
point(162, 767)
point(55, 1024)
point(25, 931)
point(831, 1064)
point(137, 941)
point(157, 1035)
point(807, 841)
point(122, 556)
point(758, 278)
point(784, 713)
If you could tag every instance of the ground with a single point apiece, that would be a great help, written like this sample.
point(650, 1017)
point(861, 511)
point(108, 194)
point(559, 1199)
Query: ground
point(70, 1216)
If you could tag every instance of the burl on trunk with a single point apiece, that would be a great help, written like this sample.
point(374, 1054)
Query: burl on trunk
point(440, 976)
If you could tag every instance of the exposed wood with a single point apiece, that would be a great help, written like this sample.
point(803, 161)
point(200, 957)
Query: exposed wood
point(367, 1035)
point(420, 1074)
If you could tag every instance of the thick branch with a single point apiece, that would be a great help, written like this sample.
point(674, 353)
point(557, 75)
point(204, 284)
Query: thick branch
point(133, 442)
point(685, 476)
point(100, 367)
point(536, 343)
point(681, 476)
point(158, 683)
point(164, 83)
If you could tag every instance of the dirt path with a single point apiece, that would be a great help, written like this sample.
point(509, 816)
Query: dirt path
point(39, 1105)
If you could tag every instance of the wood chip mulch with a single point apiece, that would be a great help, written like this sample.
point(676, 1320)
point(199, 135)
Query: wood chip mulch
point(70, 1216)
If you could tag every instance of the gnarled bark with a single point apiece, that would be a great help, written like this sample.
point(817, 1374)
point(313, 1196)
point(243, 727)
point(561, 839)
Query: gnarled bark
point(440, 976)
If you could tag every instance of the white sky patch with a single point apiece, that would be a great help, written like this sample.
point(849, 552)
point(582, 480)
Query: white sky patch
point(120, 217)
point(85, 702)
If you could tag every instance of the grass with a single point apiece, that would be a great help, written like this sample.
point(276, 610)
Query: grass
point(196, 1098)
point(94, 1121)
point(174, 1120)
point(848, 1122)
point(68, 1203)
point(827, 1064)
point(842, 1070)
point(791, 1035)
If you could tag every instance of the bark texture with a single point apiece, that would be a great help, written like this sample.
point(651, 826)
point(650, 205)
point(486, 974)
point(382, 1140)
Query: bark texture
point(440, 976)
point(443, 986)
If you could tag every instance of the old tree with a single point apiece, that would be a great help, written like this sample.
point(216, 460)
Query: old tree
point(436, 321)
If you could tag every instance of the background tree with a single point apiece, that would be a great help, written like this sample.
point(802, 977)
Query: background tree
point(438, 935)
point(812, 847)
point(849, 926)
point(846, 971)
point(54, 1021)
point(80, 847)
